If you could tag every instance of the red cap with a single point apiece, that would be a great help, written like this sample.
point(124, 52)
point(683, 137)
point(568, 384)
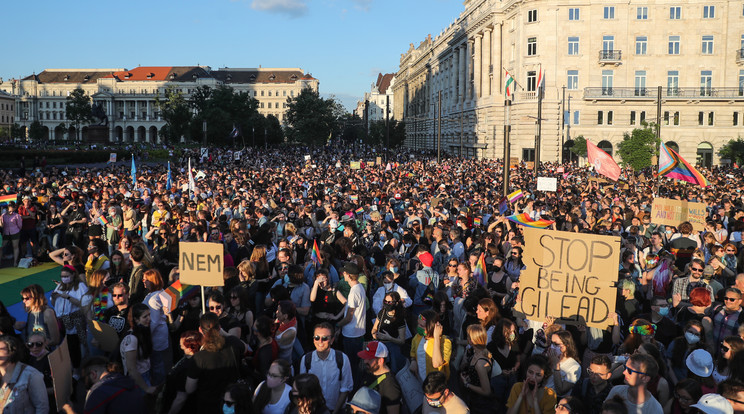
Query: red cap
point(426, 259)
point(374, 349)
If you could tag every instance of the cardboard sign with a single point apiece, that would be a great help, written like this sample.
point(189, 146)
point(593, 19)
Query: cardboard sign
point(378, 160)
point(560, 169)
point(307, 157)
point(602, 182)
point(673, 212)
point(61, 366)
point(237, 155)
point(105, 334)
point(410, 387)
point(112, 157)
point(547, 184)
point(570, 276)
point(201, 263)
point(355, 165)
point(204, 152)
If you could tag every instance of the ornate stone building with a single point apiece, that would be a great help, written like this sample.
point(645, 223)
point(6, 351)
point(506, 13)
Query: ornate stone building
point(379, 101)
point(602, 64)
point(128, 96)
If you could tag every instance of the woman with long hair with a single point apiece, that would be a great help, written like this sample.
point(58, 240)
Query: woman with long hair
point(686, 393)
point(216, 304)
point(136, 347)
point(100, 296)
point(120, 268)
point(730, 346)
point(161, 358)
point(239, 308)
point(504, 349)
point(71, 300)
point(40, 318)
point(173, 394)
point(488, 315)
point(272, 395)
point(475, 371)
point(56, 226)
point(307, 396)
point(532, 395)
point(514, 265)
point(700, 301)
point(286, 333)
point(237, 399)
point(679, 349)
point(69, 255)
point(430, 349)
point(390, 329)
point(261, 275)
point(563, 355)
point(641, 331)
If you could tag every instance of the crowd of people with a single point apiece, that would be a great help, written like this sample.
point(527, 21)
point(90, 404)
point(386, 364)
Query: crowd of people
point(354, 290)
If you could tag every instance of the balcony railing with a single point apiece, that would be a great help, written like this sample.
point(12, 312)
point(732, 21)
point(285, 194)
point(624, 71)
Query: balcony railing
point(610, 56)
point(694, 93)
point(740, 56)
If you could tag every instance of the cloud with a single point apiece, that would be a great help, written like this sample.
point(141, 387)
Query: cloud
point(291, 8)
point(363, 4)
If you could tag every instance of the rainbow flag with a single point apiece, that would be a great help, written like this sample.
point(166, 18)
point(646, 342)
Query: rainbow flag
point(354, 197)
point(477, 221)
point(513, 197)
point(503, 206)
point(175, 292)
point(8, 198)
point(103, 220)
point(525, 220)
point(360, 210)
point(480, 270)
point(674, 166)
point(315, 254)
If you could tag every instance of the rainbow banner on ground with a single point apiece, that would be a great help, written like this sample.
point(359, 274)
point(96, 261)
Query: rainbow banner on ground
point(175, 292)
point(674, 166)
point(513, 197)
point(315, 254)
point(525, 220)
point(479, 273)
point(5, 199)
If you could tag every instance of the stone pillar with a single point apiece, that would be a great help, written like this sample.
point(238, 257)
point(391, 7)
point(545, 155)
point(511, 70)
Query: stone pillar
point(477, 66)
point(498, 73)
point(462, 74)
point(454, 75)
point(486, 64)
point(469, 74)
point(149, 115)
point(136, 110)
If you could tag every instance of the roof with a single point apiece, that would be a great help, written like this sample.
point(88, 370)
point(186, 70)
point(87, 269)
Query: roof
point(69, 76)
point(383, 81)
point(258, 76)
point(161, 73)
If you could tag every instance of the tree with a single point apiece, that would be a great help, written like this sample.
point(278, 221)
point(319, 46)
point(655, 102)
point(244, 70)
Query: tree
point(734, 151)
point(638, 147)
point(16, 131)
point(175, 111)
point(352, 128)
point(223, 109)
point(579, 146)
point(311, 119)
point(36, 131)
point(77, 108)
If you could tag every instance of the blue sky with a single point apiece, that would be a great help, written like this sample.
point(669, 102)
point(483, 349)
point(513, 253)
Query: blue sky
point(343, 43)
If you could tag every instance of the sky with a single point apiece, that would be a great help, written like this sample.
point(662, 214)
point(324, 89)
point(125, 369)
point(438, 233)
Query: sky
point(342, 43)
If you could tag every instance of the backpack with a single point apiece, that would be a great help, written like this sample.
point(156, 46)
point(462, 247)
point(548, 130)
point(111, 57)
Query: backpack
point(339, 363)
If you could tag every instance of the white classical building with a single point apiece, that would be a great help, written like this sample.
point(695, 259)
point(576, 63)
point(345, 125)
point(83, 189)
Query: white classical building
point(128, 96)
point(602, 62)
point(379, 102)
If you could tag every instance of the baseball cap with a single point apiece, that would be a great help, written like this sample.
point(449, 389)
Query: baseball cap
point(714, 404)
point(374, 349)
point(426, 259)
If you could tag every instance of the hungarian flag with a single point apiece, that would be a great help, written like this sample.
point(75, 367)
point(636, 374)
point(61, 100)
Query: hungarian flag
point(540, 79)
point(508, 81)
point(602, 162)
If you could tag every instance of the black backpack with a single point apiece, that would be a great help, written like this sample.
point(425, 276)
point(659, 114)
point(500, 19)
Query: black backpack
point(339, 363)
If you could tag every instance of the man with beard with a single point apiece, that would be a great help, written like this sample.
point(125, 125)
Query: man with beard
point(116, 316)
point(379, 378)
point(109, 390)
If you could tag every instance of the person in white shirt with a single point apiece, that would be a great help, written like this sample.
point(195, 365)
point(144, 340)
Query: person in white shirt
point(639, 370)
point(564, 359)
point(388, 285)
point(353, 325)
point(336, 383)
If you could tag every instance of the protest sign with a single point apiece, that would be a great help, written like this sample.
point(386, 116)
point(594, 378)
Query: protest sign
point(237, 155)
point(204, 153)
point(673, 212)
point(201, 263)
point(61, 367)
point(108, 339)
point(547, 184)
point(307, 157)
point(378, 160)
point(112, 157)
point(355, 165)
point(410, 388)
point(569, 276)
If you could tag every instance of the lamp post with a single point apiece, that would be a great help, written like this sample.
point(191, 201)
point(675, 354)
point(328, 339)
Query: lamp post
point(204, 130)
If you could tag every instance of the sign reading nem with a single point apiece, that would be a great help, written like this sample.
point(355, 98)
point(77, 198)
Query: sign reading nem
point(201, 263)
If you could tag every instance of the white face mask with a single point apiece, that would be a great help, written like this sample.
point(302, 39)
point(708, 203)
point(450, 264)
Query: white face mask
point(388, 286)
point(66, 279)
point(556, 349)
point(692, 338)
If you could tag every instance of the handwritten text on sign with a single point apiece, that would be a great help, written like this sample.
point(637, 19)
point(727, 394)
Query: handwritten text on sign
point(673, 212)
point(201, 263)
point(569, 276)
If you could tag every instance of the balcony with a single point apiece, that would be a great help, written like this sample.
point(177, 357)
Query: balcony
point(611, 57)
point(641, 94)
point(740, 56)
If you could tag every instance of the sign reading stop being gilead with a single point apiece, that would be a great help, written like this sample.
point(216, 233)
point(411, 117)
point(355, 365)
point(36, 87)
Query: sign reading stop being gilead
point(570, 276)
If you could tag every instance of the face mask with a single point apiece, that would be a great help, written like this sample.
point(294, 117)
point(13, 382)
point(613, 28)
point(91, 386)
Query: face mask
point(691, 338)
point(66, 279)
point(388, 307)
point(435, 403)
point(286, 279)
point(37, 352)
point(407, 245)
point(116, 262)
point(228, 410)
point(272, 382)
point(512, 337)
point(664, 311)
point(388, 286)
point(394, 269)
point(556, 349)
point(497, 268)
point(421, 331)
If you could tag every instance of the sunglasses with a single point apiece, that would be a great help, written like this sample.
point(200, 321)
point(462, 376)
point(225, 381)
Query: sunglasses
point(233, 297)
point(696, 269)
point(599, 374)
point(724, 348)
point(321, 338)
point(215, 307)
point(121, 295)
point(26, 298)
point(631, 370)
point(728, 299)
point(35, 344)
point(389, 302)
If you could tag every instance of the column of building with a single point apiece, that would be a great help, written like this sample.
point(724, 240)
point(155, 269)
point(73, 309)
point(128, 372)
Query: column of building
point(477, 66)
point(486, 63)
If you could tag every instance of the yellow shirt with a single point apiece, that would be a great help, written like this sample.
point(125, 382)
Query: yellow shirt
point(446, 354)
point(546, 403)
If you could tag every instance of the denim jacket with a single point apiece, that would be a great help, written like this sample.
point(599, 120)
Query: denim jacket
point(29, 394)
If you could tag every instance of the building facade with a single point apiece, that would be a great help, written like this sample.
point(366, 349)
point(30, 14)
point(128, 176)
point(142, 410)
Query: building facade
point(379, 102)
point(602, 65)
point(7, 113)
point(127, 97)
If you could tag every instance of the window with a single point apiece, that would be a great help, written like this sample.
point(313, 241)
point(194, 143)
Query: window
point(601, 118)
point(573, 45)
point(642, 13)
point(674, 45)
point(640, 83)
point(531, 46)
point(672, 117)
point(609, 12)
point(673, 83)
point(675, 13)
point(705, 118)
point(638, 117)
point(706, 82)
point(262, 93)
point(531, 16)
point(607, 76)
point(528, 154)
point(576, 118)
point(741, 82)
point(641, 45)
point(262, 104)
point(531, 81)
point(608, 43)
point(707, 45)
point(709, 12)
point(736, 119)
point(572, 80)
point(573, 13)
point(632, 117)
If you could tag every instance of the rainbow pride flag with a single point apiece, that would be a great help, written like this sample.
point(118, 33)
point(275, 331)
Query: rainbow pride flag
point(5, 199)
point(315, 254)
point(674, 166)
point(525, 220)
point(354, 197)
point(360, 210)
point(513, 197)
point(176, 292)
point(479, 274)
point(477, 221)
point(103, 220)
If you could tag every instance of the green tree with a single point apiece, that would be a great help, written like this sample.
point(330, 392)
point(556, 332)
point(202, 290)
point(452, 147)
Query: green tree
point(638, 148)
point(579, 146)
point(223, 109)
point(77, 108)
point(275, 133)
point(352, 128)
point(36, 131)
point(733, 150)
point(175, 112)
point(16, 131)
point(312, 119)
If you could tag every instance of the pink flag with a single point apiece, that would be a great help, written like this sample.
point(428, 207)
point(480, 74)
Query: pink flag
point(602, 162)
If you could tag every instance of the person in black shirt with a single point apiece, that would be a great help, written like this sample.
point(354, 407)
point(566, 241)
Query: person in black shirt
point(390, 327)
point(379, 377)
point(116, 316)
point(594, 389)
point(324, 305)
point(667, 329)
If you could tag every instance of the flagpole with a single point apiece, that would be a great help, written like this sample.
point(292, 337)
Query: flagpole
point(538, 137)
